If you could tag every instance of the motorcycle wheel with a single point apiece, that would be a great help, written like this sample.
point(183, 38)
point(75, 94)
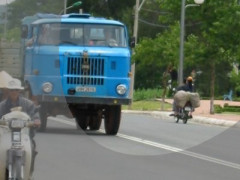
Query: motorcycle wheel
point(177, 119)
point(185, 120)
point(16, 169)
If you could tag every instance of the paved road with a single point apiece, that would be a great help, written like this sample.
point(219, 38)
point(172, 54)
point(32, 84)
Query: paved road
point(145, 148)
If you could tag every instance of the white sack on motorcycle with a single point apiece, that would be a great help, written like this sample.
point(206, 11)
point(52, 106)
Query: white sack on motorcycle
point(182, 97)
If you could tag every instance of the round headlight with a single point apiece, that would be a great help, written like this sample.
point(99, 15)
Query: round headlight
point(121, 89)
point(47, 87)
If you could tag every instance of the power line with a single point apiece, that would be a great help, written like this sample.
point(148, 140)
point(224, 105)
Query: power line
point(155, 11)
point(152, 24)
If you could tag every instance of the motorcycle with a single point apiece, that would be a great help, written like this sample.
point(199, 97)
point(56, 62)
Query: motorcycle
point(184, 113)
point(15, 146)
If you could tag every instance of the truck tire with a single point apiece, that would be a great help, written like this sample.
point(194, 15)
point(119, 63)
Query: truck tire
point(112, 119)
point(82, 121)
point(43, 117)
point(95, 122)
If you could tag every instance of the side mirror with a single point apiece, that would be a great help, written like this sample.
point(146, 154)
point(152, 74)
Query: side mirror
point(132, 42)
point(24, 31)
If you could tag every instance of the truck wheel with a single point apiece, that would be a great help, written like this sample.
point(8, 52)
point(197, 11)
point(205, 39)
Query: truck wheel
point(95, 122)
point(82, 121)
point(112, 119)
point(43, 117)
point(177, 119)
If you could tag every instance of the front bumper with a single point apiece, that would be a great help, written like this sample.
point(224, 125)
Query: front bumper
point(84, 100)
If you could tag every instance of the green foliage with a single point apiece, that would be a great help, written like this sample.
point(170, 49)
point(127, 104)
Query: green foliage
point(12, 35)
point(146, 94)
point(211, 40)
point(149, 23)
point(218, 108)
point(226, 108)
point(235, 81)
point(119, 10)
point(153, 56)
point(237, 90)
point(146, 105)
point(112, 9)
point(231, 109)
point(18, 9)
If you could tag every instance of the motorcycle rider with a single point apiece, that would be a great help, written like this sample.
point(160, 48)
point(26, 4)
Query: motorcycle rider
point(14, 100)
point(188, 87)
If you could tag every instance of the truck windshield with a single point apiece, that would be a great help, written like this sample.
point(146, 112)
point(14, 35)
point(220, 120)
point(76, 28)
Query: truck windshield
point(82, 35)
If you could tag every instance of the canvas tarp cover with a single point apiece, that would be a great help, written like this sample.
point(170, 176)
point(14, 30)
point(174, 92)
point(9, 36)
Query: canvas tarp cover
point(182, 97)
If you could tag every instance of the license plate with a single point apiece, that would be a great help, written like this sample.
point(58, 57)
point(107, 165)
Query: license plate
point(188, 108)
point(17, 124)
point(85, 89)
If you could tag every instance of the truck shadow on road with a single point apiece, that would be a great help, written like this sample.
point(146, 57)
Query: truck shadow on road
point(71, 131)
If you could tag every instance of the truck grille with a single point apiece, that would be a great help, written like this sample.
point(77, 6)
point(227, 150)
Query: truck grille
point(85, 71)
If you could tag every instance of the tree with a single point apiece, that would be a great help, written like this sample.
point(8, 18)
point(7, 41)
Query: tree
point(207, 38)
point(112, 9)
point(153, 56)
point(17, 10)
point(119, 10)
point(221, 17)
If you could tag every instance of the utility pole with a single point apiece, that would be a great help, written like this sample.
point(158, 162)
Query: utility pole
point(138, 7)
point(5, 20)
point(65, 7)
point(135, 28)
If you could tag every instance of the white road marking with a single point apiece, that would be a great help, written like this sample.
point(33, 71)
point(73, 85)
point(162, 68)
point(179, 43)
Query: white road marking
point(163, 146)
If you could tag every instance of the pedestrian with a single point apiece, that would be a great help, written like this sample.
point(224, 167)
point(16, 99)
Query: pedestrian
point(14, 100)
point(193, 75)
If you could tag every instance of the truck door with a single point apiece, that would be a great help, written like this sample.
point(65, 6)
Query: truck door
point(30, 51)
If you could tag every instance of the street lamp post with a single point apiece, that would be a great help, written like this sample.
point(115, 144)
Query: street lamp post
point(78, 3)
point(182, 34)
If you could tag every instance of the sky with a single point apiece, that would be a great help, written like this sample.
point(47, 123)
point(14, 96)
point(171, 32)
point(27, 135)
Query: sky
point(2, 2)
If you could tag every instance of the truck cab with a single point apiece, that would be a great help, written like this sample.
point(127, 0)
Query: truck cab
point(80, 65)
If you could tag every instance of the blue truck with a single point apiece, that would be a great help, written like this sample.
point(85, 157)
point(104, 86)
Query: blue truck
point(77, 64)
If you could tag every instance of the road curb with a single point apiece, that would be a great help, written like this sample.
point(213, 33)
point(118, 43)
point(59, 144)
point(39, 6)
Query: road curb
point(196, 119)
